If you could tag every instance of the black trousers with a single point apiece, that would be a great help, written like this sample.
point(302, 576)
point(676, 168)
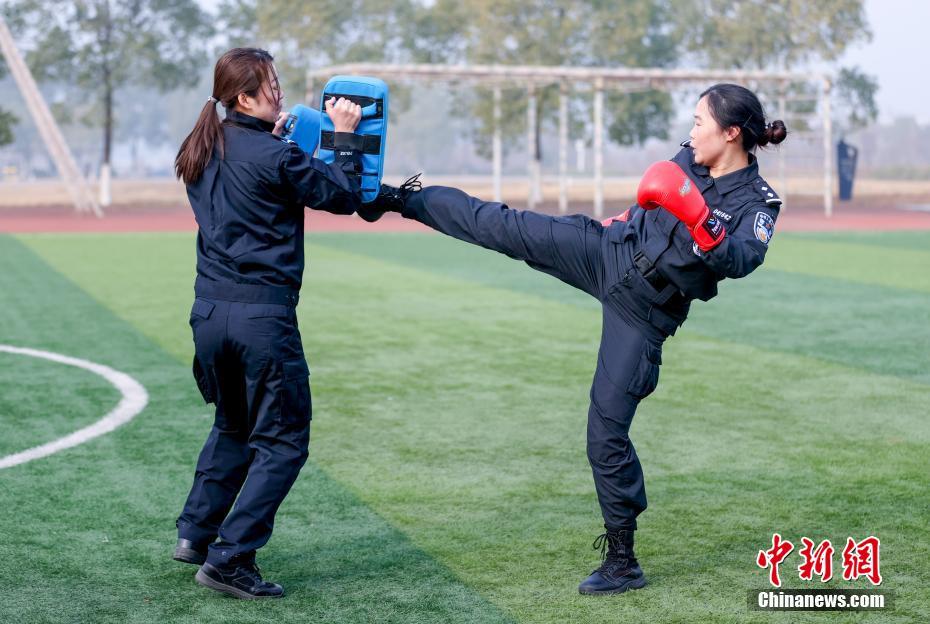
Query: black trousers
point(249, 362)
point(597, 260)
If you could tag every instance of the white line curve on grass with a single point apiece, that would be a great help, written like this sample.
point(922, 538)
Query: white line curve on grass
point(134, 400)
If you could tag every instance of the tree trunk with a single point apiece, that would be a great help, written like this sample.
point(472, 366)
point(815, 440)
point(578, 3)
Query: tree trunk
point(105, 197)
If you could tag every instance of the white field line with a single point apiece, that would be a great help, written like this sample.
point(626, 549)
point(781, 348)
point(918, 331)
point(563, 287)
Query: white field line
point(134, 400)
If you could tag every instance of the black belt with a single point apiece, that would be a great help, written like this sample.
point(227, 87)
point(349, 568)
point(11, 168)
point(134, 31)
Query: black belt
point(245, 293)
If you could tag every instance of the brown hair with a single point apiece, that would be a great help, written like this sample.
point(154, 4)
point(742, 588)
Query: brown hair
point(240, 70)
point(733, 105)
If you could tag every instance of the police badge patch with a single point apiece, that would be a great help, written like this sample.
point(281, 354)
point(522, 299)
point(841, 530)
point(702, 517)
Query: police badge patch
point(764, 227)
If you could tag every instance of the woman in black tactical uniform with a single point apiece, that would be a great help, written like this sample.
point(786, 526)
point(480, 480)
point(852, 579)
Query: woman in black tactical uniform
point(248, 189)
point(716, 219)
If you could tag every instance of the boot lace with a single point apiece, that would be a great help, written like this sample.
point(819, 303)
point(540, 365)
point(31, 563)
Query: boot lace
point(615, 555)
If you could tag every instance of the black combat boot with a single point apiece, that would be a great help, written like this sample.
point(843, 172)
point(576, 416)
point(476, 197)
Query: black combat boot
point(240, 578)
point(390, 199)
point(619, 570)
point(188, 552)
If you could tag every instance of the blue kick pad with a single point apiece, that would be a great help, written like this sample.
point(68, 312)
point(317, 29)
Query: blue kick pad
point(372, 95)
point(303, 128)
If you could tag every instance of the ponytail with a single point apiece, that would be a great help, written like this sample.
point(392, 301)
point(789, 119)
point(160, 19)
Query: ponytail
point(240, 70)
point(197, 148)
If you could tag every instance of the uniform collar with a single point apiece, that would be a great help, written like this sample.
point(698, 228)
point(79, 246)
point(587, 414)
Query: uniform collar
point(728, 182)
point(241, 119)
point(738, 178)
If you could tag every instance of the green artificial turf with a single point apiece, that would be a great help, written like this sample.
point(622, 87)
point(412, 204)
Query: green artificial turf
point(448, 479)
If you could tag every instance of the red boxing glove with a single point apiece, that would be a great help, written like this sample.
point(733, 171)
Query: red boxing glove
point(665, 184)
point(620, 217)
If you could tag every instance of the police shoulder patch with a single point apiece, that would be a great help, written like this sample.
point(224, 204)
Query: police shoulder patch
point(768, 193)
point(764, 227)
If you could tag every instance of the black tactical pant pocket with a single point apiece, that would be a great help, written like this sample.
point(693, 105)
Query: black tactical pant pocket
point(294, 400)
point(646, 376)
point(204, 382)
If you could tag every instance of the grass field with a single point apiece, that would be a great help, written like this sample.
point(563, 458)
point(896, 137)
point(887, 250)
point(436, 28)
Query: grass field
point(448, 480)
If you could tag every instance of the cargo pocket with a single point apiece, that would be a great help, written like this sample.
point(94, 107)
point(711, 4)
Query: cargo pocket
point(646, 377)
point(204, 382)
point(272, 331)
point(201, 309)
point(296, 408)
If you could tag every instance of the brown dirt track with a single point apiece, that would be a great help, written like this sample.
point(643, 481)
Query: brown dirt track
point(153, 208)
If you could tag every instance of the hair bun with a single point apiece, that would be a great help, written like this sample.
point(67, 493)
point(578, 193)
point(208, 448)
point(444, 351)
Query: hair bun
point(775, 133)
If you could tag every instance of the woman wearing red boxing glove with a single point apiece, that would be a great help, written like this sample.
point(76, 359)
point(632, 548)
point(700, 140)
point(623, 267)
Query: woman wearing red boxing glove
point(704, 216)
